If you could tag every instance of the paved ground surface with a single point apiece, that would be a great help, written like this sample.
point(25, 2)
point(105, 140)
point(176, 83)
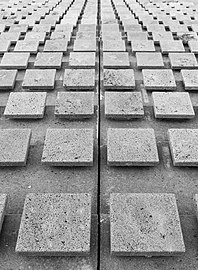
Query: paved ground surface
point(87, 48)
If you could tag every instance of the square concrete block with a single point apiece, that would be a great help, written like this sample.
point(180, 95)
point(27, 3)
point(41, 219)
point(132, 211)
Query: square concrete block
point(27, 46)
point(123, 105)
point(41, 28)
point(74, 105)
point(68, 147)
point(168, 46)
point(11, 36)
point(14, 144)
point(183, 145)
point(37, 36)
point(193, 45)
point(4, 45)
point(39, 79)
point(48, 60)
point(25, 105)
point(84, 45)
point(142, 46)
point(162, 79)
point(132, 35)
point(3, 203)
point(79, 78)
point(7, 79)
point(60, 36)
point(172, 105)
point(55, 224)
point(119, 79)
point(183, 60)
point(82, 59)
point(114, 45)
point(131, 147)
point(15, 60)
point(113, 59)
point(145, 224)
point(57, 45)
point(190, 79)
point(158, 36)
point(149, 60)
point(20, 28)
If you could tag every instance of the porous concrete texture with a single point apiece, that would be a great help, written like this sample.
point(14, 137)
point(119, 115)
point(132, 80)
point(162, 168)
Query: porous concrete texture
point(79, 78)
point(27, 46)
point(115, 59)
point(142, 46)
point(84, 45)
point(48, 60)
point(158, 36)
point(25, 105)
point(131, 147)
point(145, 224)
point(190, 79)
point(14, 144)
point(193, 45)
point(54, 224)
point(4, 45)
point(118, 79)
point(82, 59)
point(57, 45)
point(149, 60)
point(68, 147)
point(172, 105)
point(114, 45)
point(14, 60)
point(123, 105)
point(183, 60)
point(168, 46)
point(7, 79)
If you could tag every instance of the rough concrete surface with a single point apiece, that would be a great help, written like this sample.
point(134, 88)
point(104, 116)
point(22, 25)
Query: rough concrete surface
point(48, 60)
point(119, 79)
point(15, 60)
point(190, 79)
point(149, 60)
point(79, 78)
point(183, 60)
point(7, 79)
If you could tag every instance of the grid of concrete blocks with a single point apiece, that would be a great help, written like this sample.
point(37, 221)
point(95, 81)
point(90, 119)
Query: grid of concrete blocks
point(98, 134)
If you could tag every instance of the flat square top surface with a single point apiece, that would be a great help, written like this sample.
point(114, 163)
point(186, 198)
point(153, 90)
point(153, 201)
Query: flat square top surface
point(7, 79)
point(145, 224)
point(120, 78)
point(75, 78)
point(183, 60)
point(149, 60)
point(190, 79)
point(14, 60)
point(55, 224)
point(115, 59)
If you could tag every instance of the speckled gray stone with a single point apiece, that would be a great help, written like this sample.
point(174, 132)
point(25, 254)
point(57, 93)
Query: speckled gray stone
point(41, 28)
point(68, 147)
point(142, 46)
point(84, 45)
point(114, 45)
point(4, 45)
point(48, 60)
point(27, 46)
point(7, 79)
point(149, 60)
point(183, 60)
point(25, 105)
point(123, 105)
point(39, 36)
point(3, 203)
point(56, 35)
point(14, 144)
point(190, 79)
point(113, 59)
point(193, 45)
point(131, 147)
point(168, 46)
point(12, 36)
point(132, 35)
point(57, 45)
point(15, 60)
point(172, 105)
point(55, 224)
point(158, 36)
point(39, 79)
point(119, 79)
point(79, 78)
point(75, 105)
point(162, 79)
point(20, 28)
point(85, 59)
point(184, 146)
point(145, 224)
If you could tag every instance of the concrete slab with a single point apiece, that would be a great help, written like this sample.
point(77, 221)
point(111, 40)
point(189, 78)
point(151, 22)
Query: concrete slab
point(74, 105)
point(7, 79)
point(183, 60)
point(172, 105)
point(162, 79)
point(57, 45)
point(68, 147)
point(4, 45)
point(142, 46)
point(114, 45)
point(20, 28)
point(158, 36)
point(79, 78)
point(131, 147)
point(39, 36)
point(56, 35)
point(41, 28)
point(85, 45)
point(25, 105)
point(145, 224)
point(27, 46)
point(55, 224)
point(123, 105)
point(168, 46)
point(14, 60)
point(82, 59)
point(132, 35)
point(39, 79)
point(119, 79)
point(48, 60)
point(14, 144)
point(190, 79)
point(193, 45)
point(12, 36)
point(116, 59)
point(149, 60)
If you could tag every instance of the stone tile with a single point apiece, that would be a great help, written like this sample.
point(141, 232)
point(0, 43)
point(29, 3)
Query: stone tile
point(82, 59)
point(74, 105)
point(68, 147)
point(132, 27)
point(56, 35)
point(178, 28)
point(159, 79)
point(42, 28)
point(38, 36)
point(168, 46)
point(27, 46)
point(14, 144)
point(183, 60)
point(131, 35)
point(131, 147)
point(39, 79)
point(190, 79)
point(65, 220)
point(4, 45)
point(114, 36)
point(145, 224)
point(64, 27)
point(3, 203)
point(81, 35)
point(172, 105)
point(142, 46)
point(87, 27)
point(123, 105)
point(48, 60)
point(149, 60)
point(158, 36)
point(114, 45)
point(25, 105)
point(113, 59)
point(183, 145)
point(85, 45)
point(15, 60)
point(7, 79)
point(155, 28)
point(119, 79)
point(193, 45)
point(79, 78)
point(20, 28)
point(57, 45)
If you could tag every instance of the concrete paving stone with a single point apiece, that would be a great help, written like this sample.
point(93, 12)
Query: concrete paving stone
point(60, 35)
point(55, 224)
point(127, 105)
point(87, 27)
point(25, 105)
point(4, 45)
point(7, 79)
point(168, 46)
point(155, 28)
point(68, 147)
point(149, 60)
point(158, 36)
point(142, 46)
point(109, 27)
point(116, 59)
point(131, 147)
point(14, 144)
point(57, 45)
point(74, 105)
point(79, 78)
point(183, 60)
point(184, 146)
point(48, 60)
point(145, 224)
point(190, 79)
point(86, 35)
point(42, 28)
point(114, 45)
point(132, 27)
point(39, 79)
point(193, 45)
point(27, 46)
point(15, 60)
point(178, 28)
point(39, 36)
point(172, 105)
point(85, 59)
point(158, 79)
point(20, 28)
point(84, 45)
point(132, 35)
point(12, 36)
point(3, 203)
point(119, 79)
